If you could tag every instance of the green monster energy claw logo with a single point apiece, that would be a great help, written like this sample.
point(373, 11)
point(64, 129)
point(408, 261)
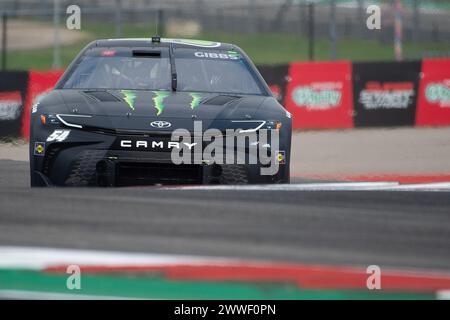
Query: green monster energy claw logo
point(129, 97)
point(158, 101)
point(196, 99)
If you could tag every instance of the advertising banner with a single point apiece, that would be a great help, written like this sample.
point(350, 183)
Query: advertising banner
point(276, 77)
point(13, 86)
point(433, 107)
point(385, 93)
point(39, 84)
point(319, 95)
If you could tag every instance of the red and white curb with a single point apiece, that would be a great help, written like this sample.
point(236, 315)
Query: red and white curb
point(413, 178)
point(196, 268)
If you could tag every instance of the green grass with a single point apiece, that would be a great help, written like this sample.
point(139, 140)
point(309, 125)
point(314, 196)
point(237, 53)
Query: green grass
point(262, 48)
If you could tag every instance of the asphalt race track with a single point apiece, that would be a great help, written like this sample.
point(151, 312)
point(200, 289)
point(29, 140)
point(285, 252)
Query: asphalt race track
point(394, 229)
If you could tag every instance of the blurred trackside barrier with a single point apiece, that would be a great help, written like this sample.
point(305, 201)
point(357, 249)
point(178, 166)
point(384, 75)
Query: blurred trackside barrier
point(320, 95)
point(434, 93)
point(13, 92)
point(39, 83)
point(342, 94)
point(18, 91)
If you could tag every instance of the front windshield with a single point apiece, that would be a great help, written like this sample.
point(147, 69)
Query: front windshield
point(121, 72)
point(214, 71)
point(197, 70)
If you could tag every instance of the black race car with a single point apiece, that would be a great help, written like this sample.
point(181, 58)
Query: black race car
point(111, 118)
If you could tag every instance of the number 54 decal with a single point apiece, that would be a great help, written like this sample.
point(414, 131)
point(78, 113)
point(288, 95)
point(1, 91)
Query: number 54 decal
point(58, 135)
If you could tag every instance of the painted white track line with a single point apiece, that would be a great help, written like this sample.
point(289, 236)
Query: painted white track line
point(443, 295)
point(438, 186)
point(40, 258)
point(339, 186)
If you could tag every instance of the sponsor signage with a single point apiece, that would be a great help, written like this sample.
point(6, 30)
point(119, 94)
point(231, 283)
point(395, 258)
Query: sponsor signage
point(40, 83)
point(434, 93)
point(319, 95)
point(277, 78)
point(385, 94)
point(13, 86)
point(329, 95)
point(10, 105)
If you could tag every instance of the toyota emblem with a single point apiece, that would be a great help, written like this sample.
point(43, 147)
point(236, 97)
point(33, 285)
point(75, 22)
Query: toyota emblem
point(160, 124)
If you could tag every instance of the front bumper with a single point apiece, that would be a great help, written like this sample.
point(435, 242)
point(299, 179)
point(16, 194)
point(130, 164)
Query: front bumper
point(90, 159)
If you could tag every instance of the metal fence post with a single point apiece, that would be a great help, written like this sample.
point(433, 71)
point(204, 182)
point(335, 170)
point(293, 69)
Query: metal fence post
point(219, 19)
point(332, 30)
point(118, 18)
point(398, 30)
point(311, 30)
point(435, 32)
point(302, 19)
point(161, 27)
point(199, 5)
point(416, 21)
point(361, 23)
point(252, 16)
point(4, 39)
point(56, 40)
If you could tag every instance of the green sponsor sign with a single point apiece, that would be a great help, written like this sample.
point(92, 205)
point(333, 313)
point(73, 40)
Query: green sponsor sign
point(316, 99)
point(438, 93)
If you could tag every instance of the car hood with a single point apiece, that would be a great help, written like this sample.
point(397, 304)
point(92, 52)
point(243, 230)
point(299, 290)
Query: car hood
point(136, 109)
point(167, 104)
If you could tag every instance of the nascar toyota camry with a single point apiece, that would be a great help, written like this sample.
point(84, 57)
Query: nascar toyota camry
point(159, 111)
